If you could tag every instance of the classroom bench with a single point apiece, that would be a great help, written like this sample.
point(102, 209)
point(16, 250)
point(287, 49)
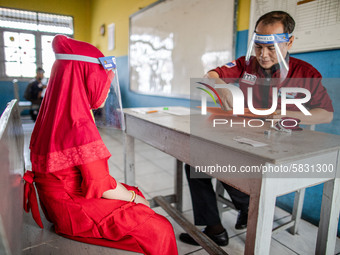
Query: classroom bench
point(11, 182)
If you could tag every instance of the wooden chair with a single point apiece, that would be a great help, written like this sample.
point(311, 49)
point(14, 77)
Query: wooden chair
point(23, 105)
point(11, 182)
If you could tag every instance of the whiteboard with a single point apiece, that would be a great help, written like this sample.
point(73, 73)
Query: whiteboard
point(317, 22)
point(172, 41)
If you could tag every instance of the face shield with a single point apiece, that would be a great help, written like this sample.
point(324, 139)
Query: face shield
point(267, 55)
point(110, 115)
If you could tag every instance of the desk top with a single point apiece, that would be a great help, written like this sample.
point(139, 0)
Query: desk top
point(281, 147)
point(180, 123)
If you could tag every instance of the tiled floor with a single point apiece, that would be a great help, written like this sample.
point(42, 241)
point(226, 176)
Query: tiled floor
point(154, 176)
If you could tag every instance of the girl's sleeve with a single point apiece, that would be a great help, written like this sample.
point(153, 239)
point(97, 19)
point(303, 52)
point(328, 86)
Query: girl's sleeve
point(96, 179)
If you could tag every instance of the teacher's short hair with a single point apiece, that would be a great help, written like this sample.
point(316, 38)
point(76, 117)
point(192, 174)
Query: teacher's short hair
point(278, 16)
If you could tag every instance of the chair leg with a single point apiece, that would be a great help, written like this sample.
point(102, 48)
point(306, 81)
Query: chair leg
point(297, 210)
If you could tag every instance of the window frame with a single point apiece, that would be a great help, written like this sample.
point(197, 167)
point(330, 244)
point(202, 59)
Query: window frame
point(38, 46)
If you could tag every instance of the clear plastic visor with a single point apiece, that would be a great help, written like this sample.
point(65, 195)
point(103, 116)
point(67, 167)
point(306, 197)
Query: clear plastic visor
point(111, 114)
point(270, 52)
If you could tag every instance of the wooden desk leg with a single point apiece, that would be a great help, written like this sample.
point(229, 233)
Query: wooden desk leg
point(129, 160)
point(328, 224)
point(297, 210)
point(179, 185)
point(219, 190)
point(260, 218)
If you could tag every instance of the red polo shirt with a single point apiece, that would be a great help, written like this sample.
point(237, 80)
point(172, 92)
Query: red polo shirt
point(300, 74)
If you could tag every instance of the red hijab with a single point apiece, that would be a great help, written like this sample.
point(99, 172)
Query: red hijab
point(65, 134)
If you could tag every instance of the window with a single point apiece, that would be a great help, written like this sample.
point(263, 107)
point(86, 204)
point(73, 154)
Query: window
point(20, 57)
point(47, 53)
point(26, 41)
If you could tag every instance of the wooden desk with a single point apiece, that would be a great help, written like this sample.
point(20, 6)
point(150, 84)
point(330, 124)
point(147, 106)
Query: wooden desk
point(203, 145)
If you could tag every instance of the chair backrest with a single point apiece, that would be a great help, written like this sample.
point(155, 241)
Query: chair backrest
point(23, 105)
point(11, 184)
point(16, 89)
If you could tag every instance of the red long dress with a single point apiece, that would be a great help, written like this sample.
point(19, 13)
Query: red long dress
point(70, 169)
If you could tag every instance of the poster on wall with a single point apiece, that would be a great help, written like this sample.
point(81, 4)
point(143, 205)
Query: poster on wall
point(316, 22)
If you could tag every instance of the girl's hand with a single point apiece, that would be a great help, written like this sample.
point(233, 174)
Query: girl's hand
point(141, 200)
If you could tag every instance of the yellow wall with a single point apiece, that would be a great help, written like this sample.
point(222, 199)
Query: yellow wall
point(89, 15)
point(243, 13)
point(117, 12)
point(79, 9)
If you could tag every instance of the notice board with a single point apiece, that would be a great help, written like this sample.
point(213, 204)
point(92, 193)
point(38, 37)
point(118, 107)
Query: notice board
point(317, 21)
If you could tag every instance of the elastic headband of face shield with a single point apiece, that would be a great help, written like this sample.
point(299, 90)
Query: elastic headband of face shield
point(278, 41)
point(82, 58)
point(111, 115)
point(272, 38)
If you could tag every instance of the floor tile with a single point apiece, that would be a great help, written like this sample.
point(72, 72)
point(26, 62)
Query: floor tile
point(186, 196)
point(155, 182)
point(145, 167)
point(153, 154)
point(115, 172)
point(64, 246)
point(304, 242)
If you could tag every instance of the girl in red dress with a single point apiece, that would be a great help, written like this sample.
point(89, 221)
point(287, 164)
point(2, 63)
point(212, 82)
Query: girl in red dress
point(70, 164)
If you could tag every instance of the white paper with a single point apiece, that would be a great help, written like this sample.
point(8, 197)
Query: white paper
point(111, 36)
point(178, 111)
point(249, 141)
point(145, 110)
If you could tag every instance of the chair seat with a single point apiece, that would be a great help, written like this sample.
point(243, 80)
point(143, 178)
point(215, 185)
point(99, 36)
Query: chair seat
point(25, 104)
